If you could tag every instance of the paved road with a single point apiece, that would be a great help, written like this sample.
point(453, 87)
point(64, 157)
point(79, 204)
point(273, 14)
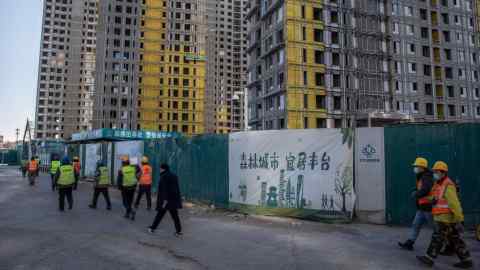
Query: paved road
point(34, 235)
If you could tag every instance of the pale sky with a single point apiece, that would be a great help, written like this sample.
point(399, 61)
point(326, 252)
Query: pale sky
point(20, 31)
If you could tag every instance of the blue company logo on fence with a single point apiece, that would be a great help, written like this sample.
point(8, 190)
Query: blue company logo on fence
point(369, 154)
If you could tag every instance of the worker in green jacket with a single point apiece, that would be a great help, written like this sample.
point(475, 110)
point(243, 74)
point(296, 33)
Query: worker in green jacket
point(102, 182)
point(23, 167)
point(127, 183)
point(54, 165)
point(65, 180)
point(448, 215)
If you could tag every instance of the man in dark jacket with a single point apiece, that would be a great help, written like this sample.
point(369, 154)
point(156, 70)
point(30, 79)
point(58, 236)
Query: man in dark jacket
point(169, 199)
point(424, 184)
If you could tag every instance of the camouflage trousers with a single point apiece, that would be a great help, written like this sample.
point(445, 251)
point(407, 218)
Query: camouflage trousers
point(448, 233)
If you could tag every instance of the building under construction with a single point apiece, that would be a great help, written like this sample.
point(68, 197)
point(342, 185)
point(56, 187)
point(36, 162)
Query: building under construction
point(338, 64)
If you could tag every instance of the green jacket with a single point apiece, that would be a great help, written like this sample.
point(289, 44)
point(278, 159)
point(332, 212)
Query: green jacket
point(456, 216)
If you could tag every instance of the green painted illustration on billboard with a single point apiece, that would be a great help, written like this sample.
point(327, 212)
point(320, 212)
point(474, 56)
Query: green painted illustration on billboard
point(310, 171)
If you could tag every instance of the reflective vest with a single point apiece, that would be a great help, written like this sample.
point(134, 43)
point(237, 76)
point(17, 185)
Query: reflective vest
point(423, 200)
point(66, 175)
point(54, 166)
point(33, 165)
point(146, 178)
point(76, 166)
point(129, 178)
point(104, 180)
point(441, 206)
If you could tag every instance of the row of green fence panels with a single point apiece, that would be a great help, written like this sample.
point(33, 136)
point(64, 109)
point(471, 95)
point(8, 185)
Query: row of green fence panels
point(201, 164)
point(456, 144)
point(9, 157)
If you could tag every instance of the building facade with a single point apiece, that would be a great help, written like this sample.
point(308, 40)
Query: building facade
point(172, 66)
point(226, 69)
point(117, 64)
point(331, 63)
point(435, 59)
point(65, 78)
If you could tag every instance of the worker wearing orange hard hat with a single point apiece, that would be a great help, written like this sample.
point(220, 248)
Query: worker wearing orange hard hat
point(145, 183)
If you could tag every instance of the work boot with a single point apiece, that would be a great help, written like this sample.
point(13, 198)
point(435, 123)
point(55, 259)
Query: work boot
point(426, 260)
point(464, 264)
point(407, 245)
point(92, 206)
point(109, 207)
point(127, 215)
point(132, 216)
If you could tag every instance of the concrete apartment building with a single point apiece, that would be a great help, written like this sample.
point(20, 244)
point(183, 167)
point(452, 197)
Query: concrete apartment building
point(435, 59)
point(172, 66)
point(65, 79)
point(340, 63)
point(118, 58)
point(141, 64)
point(226, 68)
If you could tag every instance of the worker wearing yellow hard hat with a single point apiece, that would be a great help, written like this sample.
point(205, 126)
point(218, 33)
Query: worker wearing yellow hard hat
point(127, 183)
point(448, 216)
point(423, 187)
point(145, 183)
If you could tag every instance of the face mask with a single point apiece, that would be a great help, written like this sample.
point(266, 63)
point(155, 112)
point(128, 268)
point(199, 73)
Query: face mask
point(437, 176)
point(417, 170)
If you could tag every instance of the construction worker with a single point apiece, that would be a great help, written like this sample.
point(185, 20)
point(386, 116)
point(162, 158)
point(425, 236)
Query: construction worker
point(102, 181)
point(448, 215)
point(76, 167)
point(65, 180)
point(424, 184)
point(23, 167)
point(145, 177)
point(127, 183)
point(32, 171)
point(54, 165)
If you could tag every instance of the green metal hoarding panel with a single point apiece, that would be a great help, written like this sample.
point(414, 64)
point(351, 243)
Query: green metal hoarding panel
point(200, 162)
point(457, 145)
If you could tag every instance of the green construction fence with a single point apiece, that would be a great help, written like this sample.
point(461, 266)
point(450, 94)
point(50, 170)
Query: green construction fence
point(456, 144)
point(201, 163)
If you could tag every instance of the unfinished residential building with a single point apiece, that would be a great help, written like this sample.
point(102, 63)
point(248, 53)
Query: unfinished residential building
point(435, 59)
point(362, 62)
point(118, 43)
point(226, 68)
point(65, 80)
point(172, 66)
point(286, 70)
point(356, 56)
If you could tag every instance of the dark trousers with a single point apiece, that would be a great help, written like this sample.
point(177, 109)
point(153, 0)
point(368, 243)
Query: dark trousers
point(128, 195)
point(147, 189)
point(76, 181)
point(31, 178)
point(65, 192)
point(173, 214)
point(448, 233)
point(53, 180)
point(104, 191)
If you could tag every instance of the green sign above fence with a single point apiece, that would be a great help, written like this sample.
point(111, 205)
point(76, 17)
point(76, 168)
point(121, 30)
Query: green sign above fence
point(120, 134)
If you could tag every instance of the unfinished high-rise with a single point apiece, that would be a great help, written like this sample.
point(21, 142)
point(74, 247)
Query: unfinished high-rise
point(226, 43)
point(66, 75)
point(335, 63)
point(117, 64)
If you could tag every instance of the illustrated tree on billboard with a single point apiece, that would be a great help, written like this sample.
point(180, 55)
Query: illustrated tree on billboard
point(344, 185)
